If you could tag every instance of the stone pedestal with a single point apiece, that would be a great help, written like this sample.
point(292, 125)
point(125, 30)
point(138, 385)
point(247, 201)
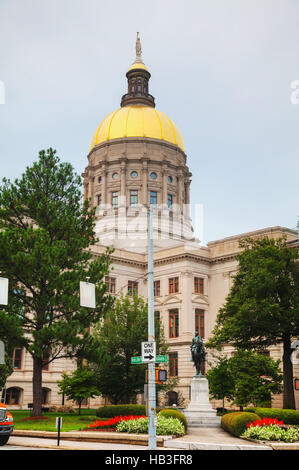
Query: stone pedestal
point(199, 412)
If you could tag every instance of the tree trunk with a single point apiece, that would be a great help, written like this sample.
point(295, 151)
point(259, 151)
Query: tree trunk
point(37, 387)
point(288, 390)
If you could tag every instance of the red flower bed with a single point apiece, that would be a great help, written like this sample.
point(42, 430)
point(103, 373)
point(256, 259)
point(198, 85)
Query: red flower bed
point(265, 422)
point(112, 422)
point(34, 418)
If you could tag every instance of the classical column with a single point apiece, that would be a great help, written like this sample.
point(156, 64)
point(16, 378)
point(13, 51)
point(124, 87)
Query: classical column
point(187, 321)
point(144, 181)
point(164, 185)
point(104, 185)
point(123, 165)
point(180, 188)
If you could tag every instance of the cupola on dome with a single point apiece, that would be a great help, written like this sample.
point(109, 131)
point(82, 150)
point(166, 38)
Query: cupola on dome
point(137, 116)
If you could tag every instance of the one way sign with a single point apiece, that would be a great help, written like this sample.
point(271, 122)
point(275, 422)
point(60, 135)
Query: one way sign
point(148, 351)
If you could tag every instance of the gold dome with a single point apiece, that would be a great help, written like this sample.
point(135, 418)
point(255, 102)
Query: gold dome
point(137, 121)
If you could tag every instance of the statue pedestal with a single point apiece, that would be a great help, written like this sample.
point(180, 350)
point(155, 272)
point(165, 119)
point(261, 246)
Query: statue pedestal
point(199, 412)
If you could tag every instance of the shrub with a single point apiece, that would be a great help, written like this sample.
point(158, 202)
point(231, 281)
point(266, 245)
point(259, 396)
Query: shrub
point(236, 422)
point(287, 416)
point(273, 432)
point(165, 426)
point(110, 411)
point(170, 412)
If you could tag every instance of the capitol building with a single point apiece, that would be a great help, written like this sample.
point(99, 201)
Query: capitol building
point(137, 160)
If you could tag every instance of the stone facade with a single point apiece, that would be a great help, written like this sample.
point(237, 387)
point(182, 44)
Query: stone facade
point(215, 264)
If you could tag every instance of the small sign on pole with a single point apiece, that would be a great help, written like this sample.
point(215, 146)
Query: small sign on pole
point(148, 351)
point(58, 426)
point(3, 291)
point(87, 295)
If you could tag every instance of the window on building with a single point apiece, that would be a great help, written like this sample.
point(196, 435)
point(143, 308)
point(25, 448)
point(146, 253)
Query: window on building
point(133, 198)
point(200, 322)
point(99, 200)
point(173, 285)
point(115, 200)
point(198, 285)
point(173, 323)
point(153, 198)
point(157, 321)
point(156, 288)
point(45, 396)
point(46, 357)
point(17, 358)
point(13, 396)
point(132, 288)
point(173, 364)
point(169, 201)
point(111, 284)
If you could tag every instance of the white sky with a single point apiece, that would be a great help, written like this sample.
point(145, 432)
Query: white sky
point(221, 70)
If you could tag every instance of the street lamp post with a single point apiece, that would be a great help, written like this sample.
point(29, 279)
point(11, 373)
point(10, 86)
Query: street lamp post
point(151, 337)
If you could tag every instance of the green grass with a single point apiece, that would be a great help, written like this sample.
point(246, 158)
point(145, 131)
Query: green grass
point(70, 421)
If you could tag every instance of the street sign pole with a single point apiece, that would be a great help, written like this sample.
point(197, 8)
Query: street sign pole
point(151, 337)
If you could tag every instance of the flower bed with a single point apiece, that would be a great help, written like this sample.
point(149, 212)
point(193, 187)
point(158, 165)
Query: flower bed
point(165, 426)
point(111, 423)
point(271, 429)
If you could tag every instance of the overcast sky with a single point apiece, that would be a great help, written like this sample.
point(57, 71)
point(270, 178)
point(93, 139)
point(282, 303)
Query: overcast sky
point(221, 70)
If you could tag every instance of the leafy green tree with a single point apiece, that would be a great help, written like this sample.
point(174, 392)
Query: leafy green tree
point(6, 370)
point(46, 232)
point(255, 377)
point(79, 386)
point(121, 334)
point(262, 308)
point(221, 380)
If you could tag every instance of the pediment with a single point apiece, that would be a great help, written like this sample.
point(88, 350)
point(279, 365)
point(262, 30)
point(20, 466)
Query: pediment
point(172, 299)
point(200, 298)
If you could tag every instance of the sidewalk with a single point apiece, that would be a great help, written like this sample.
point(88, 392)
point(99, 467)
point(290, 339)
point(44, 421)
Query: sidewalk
point(196, 439)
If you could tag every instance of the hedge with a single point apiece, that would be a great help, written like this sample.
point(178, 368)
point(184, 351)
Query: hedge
point(287, 416)
point(236, 422)
point(110, 411)
point(172, 413)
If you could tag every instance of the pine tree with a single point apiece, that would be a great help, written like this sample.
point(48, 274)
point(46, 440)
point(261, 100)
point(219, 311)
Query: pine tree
point(45, 237)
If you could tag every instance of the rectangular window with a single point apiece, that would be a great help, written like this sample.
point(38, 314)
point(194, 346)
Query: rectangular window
point(156, 288)
point(173, 323)
point(157, 321)
point(153, 198)
point(46, 358)
point(198, 285)
point(173, 365)
point(173, 285)
point(111, 284)
point(115, 200)
point(17, 358)
point(200, 322)
point(133, 198)
point(99, 200)
point(132, 288)
point(169, 201)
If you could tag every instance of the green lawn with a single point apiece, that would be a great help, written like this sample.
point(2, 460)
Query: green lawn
point(70, 421)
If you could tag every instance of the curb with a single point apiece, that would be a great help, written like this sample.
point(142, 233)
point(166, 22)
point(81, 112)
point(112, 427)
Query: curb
point(210, 446)
point(105, 437)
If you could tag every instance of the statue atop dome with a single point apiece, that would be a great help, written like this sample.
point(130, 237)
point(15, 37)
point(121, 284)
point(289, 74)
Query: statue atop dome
point(138, 49)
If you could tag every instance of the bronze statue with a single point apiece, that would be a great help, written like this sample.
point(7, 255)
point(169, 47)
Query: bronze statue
point(198, 354)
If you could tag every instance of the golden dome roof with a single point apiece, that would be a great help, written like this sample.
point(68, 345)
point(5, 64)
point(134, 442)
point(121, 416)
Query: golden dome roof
point(137, 121)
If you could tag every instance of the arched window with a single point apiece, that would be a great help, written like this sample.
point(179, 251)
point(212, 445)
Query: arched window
point(13, 396)
point(172, 398)
point(45, 396)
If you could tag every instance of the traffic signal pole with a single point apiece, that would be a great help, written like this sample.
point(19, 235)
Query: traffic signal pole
point(151, 337)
